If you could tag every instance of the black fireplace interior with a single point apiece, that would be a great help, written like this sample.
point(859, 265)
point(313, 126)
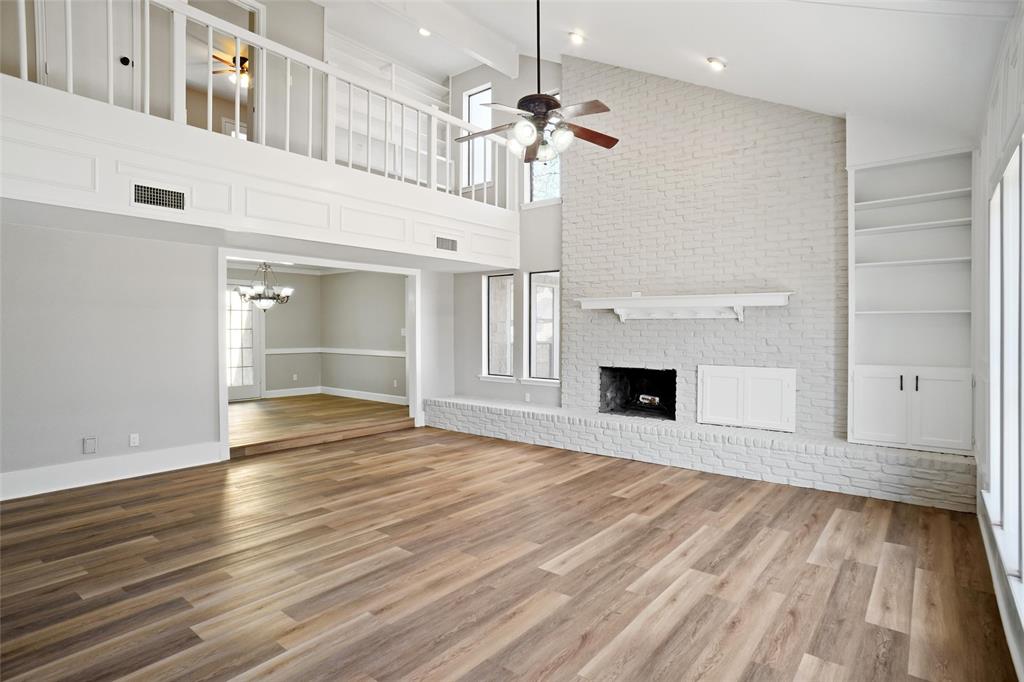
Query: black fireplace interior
point(639, 392)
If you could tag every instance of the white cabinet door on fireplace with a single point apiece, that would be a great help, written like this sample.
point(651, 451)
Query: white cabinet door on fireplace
point(941, 408)
point(927, 408)
point(880, 407)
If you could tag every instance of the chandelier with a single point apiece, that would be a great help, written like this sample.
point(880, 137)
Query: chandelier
point(261, 293)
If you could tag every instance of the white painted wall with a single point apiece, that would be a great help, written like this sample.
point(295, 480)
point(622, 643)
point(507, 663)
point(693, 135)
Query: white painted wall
point(105, 336)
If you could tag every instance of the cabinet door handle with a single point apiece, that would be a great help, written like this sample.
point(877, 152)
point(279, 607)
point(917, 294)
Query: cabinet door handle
point(901, 382)
point(917, 383)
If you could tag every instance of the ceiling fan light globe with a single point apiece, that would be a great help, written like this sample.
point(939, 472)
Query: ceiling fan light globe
point(546, 152)
point(561, 138)
point(245, 81)
point(515, 148)
point(525, 132)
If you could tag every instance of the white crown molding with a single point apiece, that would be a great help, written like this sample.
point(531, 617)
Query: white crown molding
point(691, 306)
point(25, 482)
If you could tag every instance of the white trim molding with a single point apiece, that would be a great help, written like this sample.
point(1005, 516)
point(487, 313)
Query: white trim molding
point(496, 378)
point(534, 381)
point(365, 395)
point(25, 482)
point(689, 306)
point(288, 392)
point(337, 351)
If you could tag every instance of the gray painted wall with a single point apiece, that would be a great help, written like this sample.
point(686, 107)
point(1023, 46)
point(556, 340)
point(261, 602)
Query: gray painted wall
point(104, 336)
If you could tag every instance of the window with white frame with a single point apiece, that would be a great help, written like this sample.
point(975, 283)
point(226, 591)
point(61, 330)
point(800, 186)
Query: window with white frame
point(1006, 361)
point(499, 302)
point(475, 167)
point(544, 299)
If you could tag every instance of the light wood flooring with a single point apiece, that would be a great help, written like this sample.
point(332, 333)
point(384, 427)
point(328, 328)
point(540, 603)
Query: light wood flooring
point(258, 427)
point(429, 555)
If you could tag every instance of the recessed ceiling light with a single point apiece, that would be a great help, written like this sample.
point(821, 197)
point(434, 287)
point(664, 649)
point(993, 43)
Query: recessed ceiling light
point(716, 63)
point(425, 32)
point(576, 38)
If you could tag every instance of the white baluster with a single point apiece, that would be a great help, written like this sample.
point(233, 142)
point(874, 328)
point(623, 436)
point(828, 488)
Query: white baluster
point(402, 148)
point(331, 151)
point(209, 79)
point(369, 136)
point(178, 57)
point(264, 119)
point(350, 121)
point(110, 51)
point(432, 153)
point(22, 41)
point(69, 48)
point(147, 71)
point(288, 104)
point(309, 116)
point(389, 117)
point(238, 88)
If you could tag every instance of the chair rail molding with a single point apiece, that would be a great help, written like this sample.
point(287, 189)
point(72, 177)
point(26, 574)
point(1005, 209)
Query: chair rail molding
point(687, 306)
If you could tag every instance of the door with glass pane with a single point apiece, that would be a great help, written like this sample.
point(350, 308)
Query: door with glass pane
point(244, 346)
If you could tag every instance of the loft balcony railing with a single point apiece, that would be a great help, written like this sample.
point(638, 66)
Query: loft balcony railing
point(159, 57)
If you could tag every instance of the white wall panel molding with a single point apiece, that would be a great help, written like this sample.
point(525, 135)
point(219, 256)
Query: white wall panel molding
point(53, 139)
point(337, 351)
point(24, 482)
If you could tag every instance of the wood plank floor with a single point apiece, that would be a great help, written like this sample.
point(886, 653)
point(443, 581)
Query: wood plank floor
point(429, 555)
point(258, 427)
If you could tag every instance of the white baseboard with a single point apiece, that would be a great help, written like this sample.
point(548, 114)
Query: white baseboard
point(286, 392)
point(366, 395)
point(25, 482)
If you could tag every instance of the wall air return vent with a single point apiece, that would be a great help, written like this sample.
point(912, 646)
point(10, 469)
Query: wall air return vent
point(158, 196)
point(446, 244)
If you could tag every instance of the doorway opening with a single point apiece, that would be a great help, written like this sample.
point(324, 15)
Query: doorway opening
point(334, 362)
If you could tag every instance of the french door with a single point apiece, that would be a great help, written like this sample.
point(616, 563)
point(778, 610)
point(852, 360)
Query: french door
point(244, 329)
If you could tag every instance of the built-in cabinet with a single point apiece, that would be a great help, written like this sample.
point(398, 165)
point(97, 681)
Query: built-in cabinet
point(910, 304)
point(925, 408)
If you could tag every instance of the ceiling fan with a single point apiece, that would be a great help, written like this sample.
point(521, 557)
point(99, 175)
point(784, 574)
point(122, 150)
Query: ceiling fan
point(243, 68)
point(544, 129)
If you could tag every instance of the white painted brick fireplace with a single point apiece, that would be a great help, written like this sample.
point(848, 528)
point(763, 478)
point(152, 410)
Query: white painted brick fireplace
point(710, 192)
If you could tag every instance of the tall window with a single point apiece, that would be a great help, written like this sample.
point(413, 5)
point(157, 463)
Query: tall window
point(499, 301)
point(544, 322)
point(1006, 361)
point(475, 169)
point(543, 180)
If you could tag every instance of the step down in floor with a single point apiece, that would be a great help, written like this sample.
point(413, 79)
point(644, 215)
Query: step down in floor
point(334, 435)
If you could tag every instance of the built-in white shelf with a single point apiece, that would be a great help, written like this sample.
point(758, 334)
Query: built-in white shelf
point(911, 227)
point(910, 304)
point(920, 261)
point(913, 312)
point(686, 307)
point(958, 193)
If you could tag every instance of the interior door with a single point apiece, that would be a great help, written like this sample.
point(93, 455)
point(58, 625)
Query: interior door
point(244, 329)
point(880, 404)
point(89, 47)
point(941, 408)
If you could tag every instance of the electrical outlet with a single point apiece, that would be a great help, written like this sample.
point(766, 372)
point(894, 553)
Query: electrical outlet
point(89, 445)
point(526, 396)
point(394, 383)
point(295, 377)
point(133, 440)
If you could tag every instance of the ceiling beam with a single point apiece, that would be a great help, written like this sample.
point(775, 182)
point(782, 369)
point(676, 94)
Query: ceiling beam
point(460, 31)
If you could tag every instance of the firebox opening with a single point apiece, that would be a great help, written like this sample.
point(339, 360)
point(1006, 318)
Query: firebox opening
point(638, 392)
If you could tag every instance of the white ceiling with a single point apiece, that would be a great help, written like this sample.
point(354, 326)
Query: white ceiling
point(902, 60)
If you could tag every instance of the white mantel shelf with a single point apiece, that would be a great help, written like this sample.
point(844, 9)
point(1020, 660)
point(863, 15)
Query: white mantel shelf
point(687, 307)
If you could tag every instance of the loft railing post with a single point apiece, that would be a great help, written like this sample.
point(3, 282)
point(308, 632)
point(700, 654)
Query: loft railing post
point(178, 57)
point(209, 80)
point(288, 104)
point(401, 151)
point(351, 135)
point(419, 118)
point(330, 121)
point(309, 115)
point(238, 88)
point(262, 117)
point(448, 165)
point(369, 132)
point(389, 117)
point(147, 71)
point(110, 51)
point(432, 152)
point(69, 48)
point(22, 41)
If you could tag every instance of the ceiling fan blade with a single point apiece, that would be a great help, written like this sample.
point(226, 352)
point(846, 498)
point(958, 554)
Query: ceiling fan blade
point(594, 106)
point(507, 109)
point(226, 62)
point(483, 133)
point(225, 71)
point(531, 152)
point(592, 136)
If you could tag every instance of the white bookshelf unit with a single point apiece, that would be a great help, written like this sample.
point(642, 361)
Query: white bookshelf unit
point(910, 304)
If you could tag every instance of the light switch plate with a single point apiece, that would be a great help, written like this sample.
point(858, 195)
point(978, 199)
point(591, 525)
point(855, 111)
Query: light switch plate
point(133, 440)
point(89, 445)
